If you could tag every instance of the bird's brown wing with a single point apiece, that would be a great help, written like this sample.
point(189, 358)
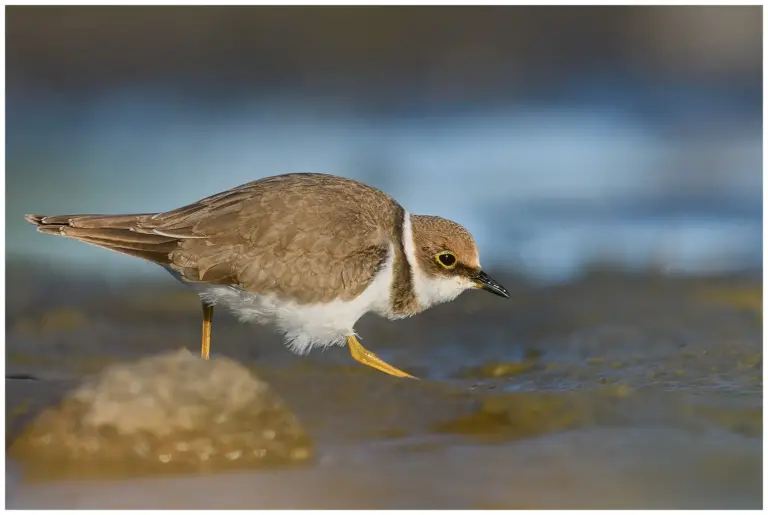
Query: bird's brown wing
point(311, 238)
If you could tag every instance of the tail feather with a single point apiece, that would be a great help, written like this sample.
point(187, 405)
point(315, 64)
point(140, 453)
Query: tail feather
point(124, 237)
point(34, 219)
point(90, 221)
point(113, 232)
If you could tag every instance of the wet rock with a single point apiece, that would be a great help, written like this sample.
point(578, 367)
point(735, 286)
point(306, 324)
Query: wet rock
point(750, 362)
point(499, 369)
point(515, 416)
point(172, 413)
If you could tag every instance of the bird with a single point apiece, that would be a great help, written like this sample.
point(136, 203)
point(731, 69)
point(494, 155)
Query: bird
point(306, 253)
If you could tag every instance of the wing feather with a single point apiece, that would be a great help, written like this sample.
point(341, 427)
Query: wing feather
point(308, 237)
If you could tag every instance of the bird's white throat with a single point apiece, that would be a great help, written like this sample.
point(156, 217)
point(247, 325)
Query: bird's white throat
point(429, 290)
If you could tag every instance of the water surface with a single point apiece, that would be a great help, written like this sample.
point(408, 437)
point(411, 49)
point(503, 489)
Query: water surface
point(614, 391)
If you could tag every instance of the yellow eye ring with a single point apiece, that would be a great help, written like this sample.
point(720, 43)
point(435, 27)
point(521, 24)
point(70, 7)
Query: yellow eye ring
point(446, 259)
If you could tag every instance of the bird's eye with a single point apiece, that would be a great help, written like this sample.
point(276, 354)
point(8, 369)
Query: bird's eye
point(447, 259)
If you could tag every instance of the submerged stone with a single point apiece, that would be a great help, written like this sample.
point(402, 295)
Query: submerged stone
point(499, 369)
point(519, 415)
point(172, 413)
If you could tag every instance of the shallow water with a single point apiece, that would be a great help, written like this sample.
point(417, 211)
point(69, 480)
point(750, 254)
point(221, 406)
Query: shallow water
point(614, 391)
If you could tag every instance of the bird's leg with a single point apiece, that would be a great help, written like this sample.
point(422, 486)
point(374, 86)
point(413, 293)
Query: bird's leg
point(205, 352)
point(366, 357)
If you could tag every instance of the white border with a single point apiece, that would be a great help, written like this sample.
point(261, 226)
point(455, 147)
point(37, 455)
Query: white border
point(765, 255)
point(387, 3)
point(2, 227)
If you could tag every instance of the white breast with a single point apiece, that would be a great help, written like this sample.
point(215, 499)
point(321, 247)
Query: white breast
point(430, 290)
point(308, 325)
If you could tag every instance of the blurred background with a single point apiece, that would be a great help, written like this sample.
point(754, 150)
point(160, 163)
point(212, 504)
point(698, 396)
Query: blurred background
point(563, 137)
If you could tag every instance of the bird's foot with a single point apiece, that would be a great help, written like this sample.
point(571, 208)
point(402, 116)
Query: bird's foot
point(366, 357)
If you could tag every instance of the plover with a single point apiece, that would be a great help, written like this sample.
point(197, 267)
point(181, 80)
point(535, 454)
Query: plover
point(309, 254)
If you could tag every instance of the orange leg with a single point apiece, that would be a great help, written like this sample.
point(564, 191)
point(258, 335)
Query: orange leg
point(366, 357)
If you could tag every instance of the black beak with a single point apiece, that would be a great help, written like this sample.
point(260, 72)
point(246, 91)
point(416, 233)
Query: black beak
point(487, 283)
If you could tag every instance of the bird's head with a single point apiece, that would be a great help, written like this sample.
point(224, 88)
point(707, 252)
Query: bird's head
point(447, 260)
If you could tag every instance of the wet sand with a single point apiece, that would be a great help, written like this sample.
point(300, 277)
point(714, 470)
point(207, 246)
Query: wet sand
point(614, 391)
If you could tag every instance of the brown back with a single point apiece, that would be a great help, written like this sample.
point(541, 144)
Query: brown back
point(310, 237)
